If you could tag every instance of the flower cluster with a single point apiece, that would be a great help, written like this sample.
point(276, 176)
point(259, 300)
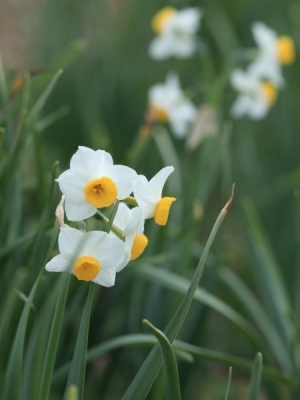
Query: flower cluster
point(175, 36)
point(258, 85)
point(93, 182)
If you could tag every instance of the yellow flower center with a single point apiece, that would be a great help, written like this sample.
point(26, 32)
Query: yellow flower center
point(161, 18)
point(159, 113)
point(101, 192)
point(285, 50)
point(163, 209)
point(269, 92)
point(139, 244)
point(86, 268)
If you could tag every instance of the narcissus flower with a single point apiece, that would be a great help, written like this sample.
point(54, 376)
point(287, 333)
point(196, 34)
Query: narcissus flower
point(131, 223)
point(176, 33)
point(92, 256)
point(274, 51)
point(148, 196)
point(169, 104)
point(94, 182)
point(256, 97)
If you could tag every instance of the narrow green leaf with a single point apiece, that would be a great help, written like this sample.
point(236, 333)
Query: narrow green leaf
point(54, 337)
point(175, 282)
point(257, 312)
point(72, 393)
point(77, 371)
point(269, 270)
point(13, 377)
point(39, 104)
point(169, 361)
point(228, 383)
point(144, 379)
point(253, 391)
point(144, 340)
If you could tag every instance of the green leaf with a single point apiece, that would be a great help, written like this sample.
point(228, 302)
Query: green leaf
point(41, 101)
point(269, 271)
point(13, 377)
point(169, 361)
point(143, 381)
point(175, 282)
point(257, 312)
point(228, 383)
point(54, 337)
point(253, 391)
point(77, 371)
point(72, 393)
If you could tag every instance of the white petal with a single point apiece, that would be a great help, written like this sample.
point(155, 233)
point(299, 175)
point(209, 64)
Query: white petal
point(263, 35)
point(106, 158)
point(71, 182)
point(94, 244)
point(124, 178)
point(156, 184)
point(136, 223)
point(144, 197)
point(115, 253)
point(77, 208)
point(122, 217)
point(107, 276)
point(59, 264)
point(69, 239)
point(161, 47)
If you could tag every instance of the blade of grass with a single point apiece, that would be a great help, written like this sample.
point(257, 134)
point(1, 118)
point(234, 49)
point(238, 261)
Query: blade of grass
point(77, 371)
point(269, 271)
point(175, 282)
point(253, 391)
point(12, 388)
point(257, 312)
point(169, 361)
point(144, 340)
point(54, 337)
point(144, 379)
point(228, 383)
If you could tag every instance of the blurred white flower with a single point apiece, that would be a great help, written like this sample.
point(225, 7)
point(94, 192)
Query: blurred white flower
point(274, 51)
point(168, 103)
point(148, 196)
point(256, 97)
point(93, 182)
point(176, 33)
point(131, 223)
point(92, 256)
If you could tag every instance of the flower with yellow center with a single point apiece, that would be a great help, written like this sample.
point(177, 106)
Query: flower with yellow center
point(149, 196)
point(274, 51)
point(167, 102)
point(255, 98)
point(176, 33)
point(92, 182)
point(131, 222)
point(92, 256)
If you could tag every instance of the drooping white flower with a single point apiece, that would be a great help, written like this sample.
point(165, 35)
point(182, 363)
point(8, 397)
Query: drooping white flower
point(274, 51)
point(168, 103)
point(131, 223)
point(92, 256)
point(148, 196)
point(94, 182)
point(176, 33)
point(255, 98)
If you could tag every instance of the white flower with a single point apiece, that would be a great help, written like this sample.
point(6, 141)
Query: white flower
point(256, 97)
point(176, 33)
point(131, 223)
point(94, 182)
point(168, 103)
point(148, 196)
point(273, 52)
point(92, 256)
